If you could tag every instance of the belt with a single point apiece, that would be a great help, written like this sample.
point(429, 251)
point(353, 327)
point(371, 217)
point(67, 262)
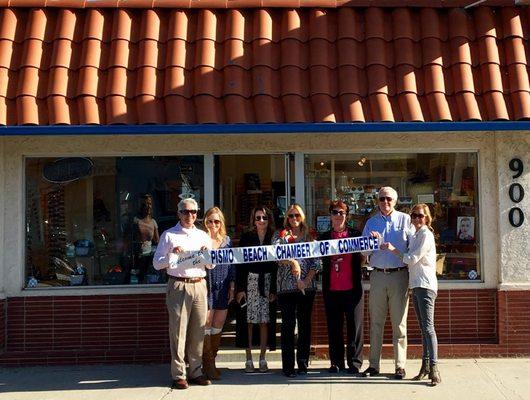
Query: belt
point(389, 270)
point(186, 280)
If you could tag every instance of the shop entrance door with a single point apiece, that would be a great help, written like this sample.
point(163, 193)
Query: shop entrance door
point(246, 181)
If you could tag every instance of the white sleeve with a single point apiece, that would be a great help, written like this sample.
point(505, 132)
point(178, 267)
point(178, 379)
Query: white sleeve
point(163, 252)
point(419, 247)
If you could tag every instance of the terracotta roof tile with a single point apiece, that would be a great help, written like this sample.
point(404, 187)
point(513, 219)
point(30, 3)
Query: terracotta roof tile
point(140, 64)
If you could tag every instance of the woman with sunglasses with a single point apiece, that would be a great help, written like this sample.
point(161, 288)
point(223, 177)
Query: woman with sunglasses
point(342, 290)
point(296, 292)
point(256, 293)
point(421, 260)
point(221, 286)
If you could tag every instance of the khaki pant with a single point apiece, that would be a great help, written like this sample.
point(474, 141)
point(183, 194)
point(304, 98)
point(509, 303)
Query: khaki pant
point(389, 291)
point(187, 307)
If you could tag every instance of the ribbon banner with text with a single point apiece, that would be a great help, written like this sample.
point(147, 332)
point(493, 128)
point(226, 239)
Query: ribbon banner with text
point(279, 252)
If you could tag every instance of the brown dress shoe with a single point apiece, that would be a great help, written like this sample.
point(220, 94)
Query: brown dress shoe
point(200, 380)
point(179, 384)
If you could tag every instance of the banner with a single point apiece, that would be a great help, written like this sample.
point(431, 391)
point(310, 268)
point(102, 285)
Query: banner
point(279, 252)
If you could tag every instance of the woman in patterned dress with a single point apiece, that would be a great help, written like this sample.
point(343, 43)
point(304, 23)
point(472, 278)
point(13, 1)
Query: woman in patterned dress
point(256, 292)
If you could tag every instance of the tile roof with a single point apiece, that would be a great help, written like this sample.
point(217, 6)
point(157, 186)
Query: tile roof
point(257, 65)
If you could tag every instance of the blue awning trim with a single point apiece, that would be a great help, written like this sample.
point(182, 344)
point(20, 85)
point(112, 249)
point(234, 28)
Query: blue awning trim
point(78, 130)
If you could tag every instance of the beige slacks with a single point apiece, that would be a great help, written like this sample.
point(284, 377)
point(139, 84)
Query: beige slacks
point(389, 291)
point(187, 307)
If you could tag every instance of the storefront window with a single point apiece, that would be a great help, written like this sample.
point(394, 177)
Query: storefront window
point(96, 221)
point(447, 182)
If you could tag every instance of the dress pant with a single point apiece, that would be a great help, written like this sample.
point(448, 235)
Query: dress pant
point(187, 307)
point(338, 305)
point(389, 291)
point(296, 307)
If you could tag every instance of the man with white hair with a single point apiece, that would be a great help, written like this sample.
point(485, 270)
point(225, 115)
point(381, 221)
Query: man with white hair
point(389, 281)
point(186, 298)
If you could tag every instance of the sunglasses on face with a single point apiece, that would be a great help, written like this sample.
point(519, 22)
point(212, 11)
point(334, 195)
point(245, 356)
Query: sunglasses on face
point(261, 218)
point(383, 198)
point(188, 212)
point(414, 216)
point(213, 221)
point(338, 212)
point(294, 215)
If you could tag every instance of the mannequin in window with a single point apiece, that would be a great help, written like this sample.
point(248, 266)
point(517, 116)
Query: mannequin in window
point(145, 234)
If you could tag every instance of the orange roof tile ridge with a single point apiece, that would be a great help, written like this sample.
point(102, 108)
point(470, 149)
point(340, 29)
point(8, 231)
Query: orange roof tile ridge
point(231, 4)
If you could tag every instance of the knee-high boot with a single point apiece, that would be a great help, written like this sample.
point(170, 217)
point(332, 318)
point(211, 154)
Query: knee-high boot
point(208, 367)
point(216, 341)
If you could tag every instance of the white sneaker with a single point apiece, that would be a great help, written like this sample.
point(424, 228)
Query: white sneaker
point(263, 367)
point(249, 366)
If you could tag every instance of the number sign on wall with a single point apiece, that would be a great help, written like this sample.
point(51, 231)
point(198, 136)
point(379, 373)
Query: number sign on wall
point(516, 193)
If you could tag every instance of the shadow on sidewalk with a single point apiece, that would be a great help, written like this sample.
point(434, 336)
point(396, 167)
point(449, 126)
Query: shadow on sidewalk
point(102, 377)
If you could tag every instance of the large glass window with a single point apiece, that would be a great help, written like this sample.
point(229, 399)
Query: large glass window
point(447, 182)
point(96, 221)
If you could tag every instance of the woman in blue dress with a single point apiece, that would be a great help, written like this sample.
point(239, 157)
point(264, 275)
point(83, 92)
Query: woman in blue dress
point(221, 284)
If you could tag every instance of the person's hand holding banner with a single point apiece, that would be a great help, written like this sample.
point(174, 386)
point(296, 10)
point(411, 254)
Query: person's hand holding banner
point(295, 268)
point(204, 249)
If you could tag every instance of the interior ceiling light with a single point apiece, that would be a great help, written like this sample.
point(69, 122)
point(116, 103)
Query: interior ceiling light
point(361, 161)
point(322, 163)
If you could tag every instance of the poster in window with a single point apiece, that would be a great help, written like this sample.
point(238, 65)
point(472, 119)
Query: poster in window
point(323, 223)
point(465, 227)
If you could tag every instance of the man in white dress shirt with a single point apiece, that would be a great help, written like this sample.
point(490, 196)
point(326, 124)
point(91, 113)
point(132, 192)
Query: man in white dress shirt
point(186, 297)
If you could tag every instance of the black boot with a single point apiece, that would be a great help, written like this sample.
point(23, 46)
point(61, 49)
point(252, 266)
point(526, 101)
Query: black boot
point(434, 375)
point(424, 370)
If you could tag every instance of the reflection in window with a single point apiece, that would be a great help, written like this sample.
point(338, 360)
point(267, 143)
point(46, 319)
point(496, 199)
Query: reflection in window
point(447, 182)
point(96, 221)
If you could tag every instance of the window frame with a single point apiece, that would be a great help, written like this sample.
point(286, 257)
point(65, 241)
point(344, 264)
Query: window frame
point(442, 283)
point(208, 178)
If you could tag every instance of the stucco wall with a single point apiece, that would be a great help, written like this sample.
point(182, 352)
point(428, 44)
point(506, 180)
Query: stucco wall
point(18, 147)
point(514, 257)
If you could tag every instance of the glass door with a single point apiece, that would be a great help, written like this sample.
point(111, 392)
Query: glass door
point(246, 181)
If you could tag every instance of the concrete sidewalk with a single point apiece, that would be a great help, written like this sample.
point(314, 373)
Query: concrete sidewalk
point(481, 379)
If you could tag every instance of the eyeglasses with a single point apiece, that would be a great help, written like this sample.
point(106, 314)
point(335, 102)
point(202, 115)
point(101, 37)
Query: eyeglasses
point(261, 218)
point(338, 212)
point(213, 221)
point(383, 198)
point(414, 216)
point(188, 212)
point(294, 215)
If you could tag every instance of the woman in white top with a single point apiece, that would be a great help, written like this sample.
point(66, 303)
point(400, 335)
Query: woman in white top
point(421, 260)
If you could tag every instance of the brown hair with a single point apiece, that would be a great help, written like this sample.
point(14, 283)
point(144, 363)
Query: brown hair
point(222, 229)
point(426, 211)
point(339, 204)
point(270, 226)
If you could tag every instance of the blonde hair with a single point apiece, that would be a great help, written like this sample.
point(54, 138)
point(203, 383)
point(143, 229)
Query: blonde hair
point(221, 234)
point(426, 211)
point(304, 228)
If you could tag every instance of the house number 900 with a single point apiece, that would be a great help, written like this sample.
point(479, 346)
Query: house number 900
point(516, 193)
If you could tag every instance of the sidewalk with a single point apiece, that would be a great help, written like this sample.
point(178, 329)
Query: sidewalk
point(469, 379)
